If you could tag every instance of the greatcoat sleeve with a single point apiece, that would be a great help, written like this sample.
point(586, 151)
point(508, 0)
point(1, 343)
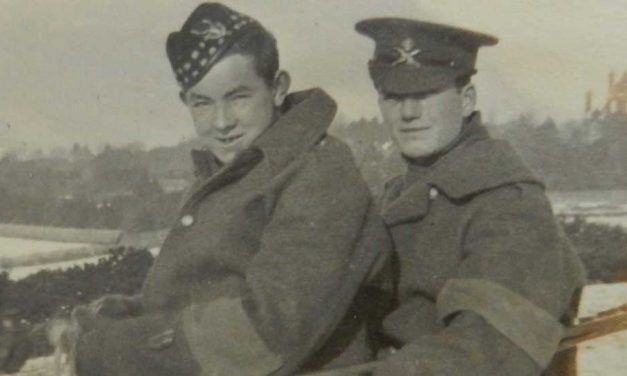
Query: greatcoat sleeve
point(312, 258)
point(502, 309)
point(321, 240)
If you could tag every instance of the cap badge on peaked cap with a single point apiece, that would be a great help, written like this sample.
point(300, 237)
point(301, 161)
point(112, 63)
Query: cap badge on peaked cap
point(413, 56)
point(407, 53)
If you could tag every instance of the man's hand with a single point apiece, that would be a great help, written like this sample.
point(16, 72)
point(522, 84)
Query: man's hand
point(95, 315)
point(103, 310)
point(117, 306)
point(100, 312)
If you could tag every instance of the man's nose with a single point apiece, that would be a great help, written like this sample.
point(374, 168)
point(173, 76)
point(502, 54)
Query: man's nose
point(223, 120)
point(411, 109)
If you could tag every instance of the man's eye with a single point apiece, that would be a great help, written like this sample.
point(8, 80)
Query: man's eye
point(392, 97)
point(240, 96)
point(200, 104)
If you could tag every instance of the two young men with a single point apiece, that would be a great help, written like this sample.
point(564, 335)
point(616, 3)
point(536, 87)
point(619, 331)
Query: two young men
point(262, 272)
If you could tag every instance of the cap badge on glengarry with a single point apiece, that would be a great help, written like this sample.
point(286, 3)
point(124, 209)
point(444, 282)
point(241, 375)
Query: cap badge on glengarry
point(209, 30)
point(407, 53)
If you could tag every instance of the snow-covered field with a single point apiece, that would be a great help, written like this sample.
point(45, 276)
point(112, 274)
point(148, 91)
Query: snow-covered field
point(604, 207)
point(611, 221)
point(22, 249)
point(14, 247)
point(606, 356)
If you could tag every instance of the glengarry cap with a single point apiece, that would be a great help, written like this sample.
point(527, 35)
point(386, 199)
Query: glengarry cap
point(204, 38)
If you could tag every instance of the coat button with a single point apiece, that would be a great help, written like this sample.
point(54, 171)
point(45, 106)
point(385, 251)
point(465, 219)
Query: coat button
point(187, 220)
point(433, 193)
point(162, 340)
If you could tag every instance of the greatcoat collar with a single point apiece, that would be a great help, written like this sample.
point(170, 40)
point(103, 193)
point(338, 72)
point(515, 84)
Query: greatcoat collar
point(304, 121)
point(475, 165)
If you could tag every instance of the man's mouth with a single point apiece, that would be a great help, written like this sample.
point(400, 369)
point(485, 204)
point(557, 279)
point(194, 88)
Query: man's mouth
point(415, 129)
point(229, 139)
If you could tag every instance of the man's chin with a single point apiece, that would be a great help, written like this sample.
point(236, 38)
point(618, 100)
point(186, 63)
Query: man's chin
point(415, 153)
point(225, 158)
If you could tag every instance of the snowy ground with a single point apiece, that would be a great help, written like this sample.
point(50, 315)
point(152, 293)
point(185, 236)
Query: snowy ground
point(14, 247)
point(611, 221)
point(605, 356)
point(41, 367)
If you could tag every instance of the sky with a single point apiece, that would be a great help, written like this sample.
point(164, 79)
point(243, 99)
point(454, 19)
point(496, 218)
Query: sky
point(95, 72)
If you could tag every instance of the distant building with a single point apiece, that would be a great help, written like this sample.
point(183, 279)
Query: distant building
point(617, 95)
point(616, 102)
point(610, 120)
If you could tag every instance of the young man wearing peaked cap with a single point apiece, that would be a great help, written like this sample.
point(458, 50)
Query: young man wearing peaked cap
point(485, 277)
point(260, 273)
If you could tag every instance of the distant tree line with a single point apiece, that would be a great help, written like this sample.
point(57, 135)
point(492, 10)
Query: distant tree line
point(125, 187)
point(585, 155)
point(114, 189)
point(589, 155)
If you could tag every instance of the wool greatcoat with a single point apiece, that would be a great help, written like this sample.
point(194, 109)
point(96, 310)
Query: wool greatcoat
point(484, 274)
point(260, 274)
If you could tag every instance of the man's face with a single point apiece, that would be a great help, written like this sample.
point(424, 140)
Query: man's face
point(231, 106)
point(423, 124)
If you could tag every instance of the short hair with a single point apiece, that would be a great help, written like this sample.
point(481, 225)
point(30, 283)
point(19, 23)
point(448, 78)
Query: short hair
point(261, 45)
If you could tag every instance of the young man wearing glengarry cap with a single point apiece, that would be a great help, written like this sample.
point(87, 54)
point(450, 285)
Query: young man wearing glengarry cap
point(260, 273)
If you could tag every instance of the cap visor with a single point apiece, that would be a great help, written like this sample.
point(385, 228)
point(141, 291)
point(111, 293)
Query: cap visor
point(409, 80)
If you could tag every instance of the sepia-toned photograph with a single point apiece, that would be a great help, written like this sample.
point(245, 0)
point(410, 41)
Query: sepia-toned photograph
point(313, 188)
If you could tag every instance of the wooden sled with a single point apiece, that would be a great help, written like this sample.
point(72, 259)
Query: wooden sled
point(602, 324)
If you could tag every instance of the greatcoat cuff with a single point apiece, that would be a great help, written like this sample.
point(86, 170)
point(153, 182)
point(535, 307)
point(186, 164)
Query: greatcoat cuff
point(224, 341)
point(528, 326)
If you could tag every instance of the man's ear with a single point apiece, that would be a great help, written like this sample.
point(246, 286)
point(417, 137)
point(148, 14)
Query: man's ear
point(469, 99)
point(282, 83)
point(183, 96)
